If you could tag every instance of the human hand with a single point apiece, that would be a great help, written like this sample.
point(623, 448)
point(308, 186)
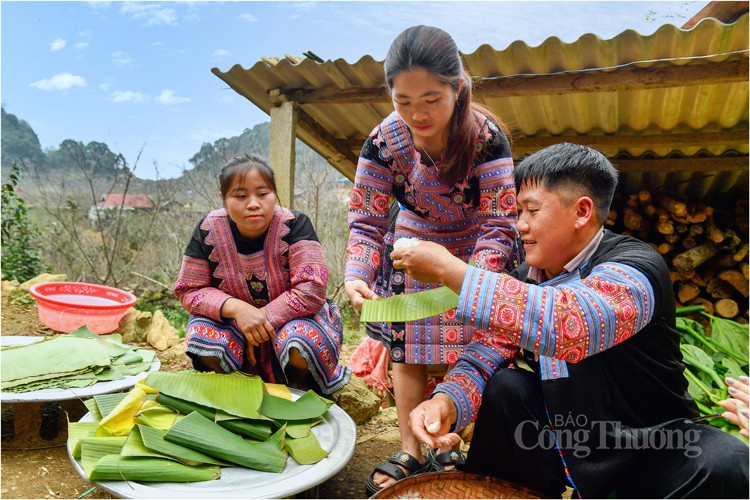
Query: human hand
point(429, 262)
point(431, 422)
point(252, 322)
point(737, 405)
point(358, 291)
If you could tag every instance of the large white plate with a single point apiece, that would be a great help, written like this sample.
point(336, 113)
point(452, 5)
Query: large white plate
point(63, 394)
point(336, 433)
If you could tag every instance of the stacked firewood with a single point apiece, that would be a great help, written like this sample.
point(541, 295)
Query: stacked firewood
point(706, 247)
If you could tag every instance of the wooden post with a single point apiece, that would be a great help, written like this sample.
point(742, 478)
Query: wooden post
point(281, 157)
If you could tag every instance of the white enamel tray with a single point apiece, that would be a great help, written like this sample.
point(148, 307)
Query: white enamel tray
point(336, 434)
point(64, 394)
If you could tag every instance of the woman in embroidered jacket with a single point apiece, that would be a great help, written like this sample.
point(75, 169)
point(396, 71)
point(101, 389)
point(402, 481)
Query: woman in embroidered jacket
point(253, 279)
point(448, 164)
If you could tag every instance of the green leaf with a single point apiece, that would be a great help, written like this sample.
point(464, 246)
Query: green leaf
point(309, 405)
point(410, 306)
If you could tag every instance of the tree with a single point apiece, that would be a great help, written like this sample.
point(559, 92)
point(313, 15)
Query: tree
point(19, 142)
point(21, 251)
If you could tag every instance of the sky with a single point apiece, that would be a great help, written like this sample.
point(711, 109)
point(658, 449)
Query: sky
point(137, 75)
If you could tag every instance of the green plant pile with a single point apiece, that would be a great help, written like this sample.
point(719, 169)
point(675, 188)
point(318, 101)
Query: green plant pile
point(710, 354)
point(21, 255)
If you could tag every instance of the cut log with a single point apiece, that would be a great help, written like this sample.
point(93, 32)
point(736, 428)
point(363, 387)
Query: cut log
point(740, 253)
point(687, 292)
point(731, 240)
point(708, 306)
point(696, 229)
point(633, 220)
point(727, 308)
point(672, 206)
point(689, 243)
point(644, 196)
point(664, 248)
point(719, 289)
point(690, 259)
point(713, 233)
point(666, 227)
point(736, 279)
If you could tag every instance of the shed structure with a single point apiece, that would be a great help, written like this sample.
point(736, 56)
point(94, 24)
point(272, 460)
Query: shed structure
point(670, 109)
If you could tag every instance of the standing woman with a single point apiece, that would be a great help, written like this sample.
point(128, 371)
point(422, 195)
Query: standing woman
point(253, 279)
point(448, 163)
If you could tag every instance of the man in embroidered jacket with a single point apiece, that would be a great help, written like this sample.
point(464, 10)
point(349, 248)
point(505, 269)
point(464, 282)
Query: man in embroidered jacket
point(603, 407)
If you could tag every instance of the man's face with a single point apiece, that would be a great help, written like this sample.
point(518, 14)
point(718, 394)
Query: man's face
point(547, 228)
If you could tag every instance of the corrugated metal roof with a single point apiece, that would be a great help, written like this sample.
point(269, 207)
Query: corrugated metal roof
point(673, 97)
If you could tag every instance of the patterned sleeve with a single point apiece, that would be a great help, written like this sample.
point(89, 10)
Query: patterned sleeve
point(497, 200)
point(194, 287)
point(570, 321)
point(308, 274)
point(368, 212)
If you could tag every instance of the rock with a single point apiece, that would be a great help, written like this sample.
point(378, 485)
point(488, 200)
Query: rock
point(356, 399)
point(175, 359)
point(134, 326)
point(42, 278)
point(161, 335)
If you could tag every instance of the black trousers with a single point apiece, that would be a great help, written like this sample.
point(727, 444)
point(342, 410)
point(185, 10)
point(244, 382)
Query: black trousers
point(508, 443)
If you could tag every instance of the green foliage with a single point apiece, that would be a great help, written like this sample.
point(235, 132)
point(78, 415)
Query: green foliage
point(711, 354)
point(21, 251)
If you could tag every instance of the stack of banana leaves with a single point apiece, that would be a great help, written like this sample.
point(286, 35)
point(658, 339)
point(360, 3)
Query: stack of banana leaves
point(712, 349)
point(78, 359)
point(184, 426)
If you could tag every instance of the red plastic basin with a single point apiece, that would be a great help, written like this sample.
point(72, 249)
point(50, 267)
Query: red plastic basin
point(66, 306)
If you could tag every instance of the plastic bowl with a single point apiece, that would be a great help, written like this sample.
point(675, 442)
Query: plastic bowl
point(66, 306)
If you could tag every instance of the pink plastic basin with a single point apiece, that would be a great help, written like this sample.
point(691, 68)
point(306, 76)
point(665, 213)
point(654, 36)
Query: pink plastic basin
point(66, 306)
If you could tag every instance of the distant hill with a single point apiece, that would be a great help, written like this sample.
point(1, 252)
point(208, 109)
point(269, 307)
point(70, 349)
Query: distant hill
point(20, 144)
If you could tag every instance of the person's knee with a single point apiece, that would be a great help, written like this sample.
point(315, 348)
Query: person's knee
point(511, 386)
point(719, 461)
point(296, 360)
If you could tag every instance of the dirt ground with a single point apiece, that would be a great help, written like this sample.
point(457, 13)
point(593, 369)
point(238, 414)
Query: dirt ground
point(48, 472)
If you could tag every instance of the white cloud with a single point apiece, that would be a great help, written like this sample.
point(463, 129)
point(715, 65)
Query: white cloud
point(168, 98)
point(248, 17)
point(122, 59)
point(103, 86)
point(152, 14)
point(57, 44)
point(82, 45)
point(61, 81)
point(127, 96)
point(220, 54)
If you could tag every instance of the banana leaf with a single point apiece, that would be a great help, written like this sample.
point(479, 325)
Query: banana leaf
point(234, 393)
point(145, 441)
point(306, 450)
point(93, 449)
point(198, 433)
point(119, 468)
point(409, 306)
point(186, 407)
point(78, 431)
point(309, 405)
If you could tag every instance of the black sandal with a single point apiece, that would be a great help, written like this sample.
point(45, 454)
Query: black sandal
point(439, 461)
point(391, 468)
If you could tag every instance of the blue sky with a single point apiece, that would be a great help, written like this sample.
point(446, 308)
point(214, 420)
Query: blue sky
point(137, 75)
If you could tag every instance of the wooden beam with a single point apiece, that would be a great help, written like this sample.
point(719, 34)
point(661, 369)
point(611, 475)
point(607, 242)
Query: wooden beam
point(668, 165)
point(615, 80)
point(523, 145)
point(335, 151)
point(281, 154)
